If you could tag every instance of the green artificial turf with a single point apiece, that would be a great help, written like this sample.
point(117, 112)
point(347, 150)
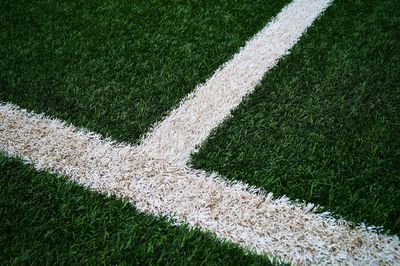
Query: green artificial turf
point(324, 125)
point(47, 220)
point(116, 66)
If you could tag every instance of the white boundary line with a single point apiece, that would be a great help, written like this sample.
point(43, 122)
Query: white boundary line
point(176, 137)
point(232, 211)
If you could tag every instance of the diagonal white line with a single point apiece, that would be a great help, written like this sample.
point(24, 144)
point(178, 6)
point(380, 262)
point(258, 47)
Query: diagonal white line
point(178, 135)
point(232, 211)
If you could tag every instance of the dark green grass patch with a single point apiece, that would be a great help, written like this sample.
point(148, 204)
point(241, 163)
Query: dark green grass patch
point(118, 66)
point(47, 220)
point(324, 126)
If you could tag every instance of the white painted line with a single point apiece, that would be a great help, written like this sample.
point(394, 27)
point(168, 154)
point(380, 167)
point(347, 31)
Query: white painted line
point(232, 211)
point(176, 137)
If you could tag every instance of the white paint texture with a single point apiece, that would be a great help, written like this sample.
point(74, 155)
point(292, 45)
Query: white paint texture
point(154, 177)
point(232, 211)
point(178, 135)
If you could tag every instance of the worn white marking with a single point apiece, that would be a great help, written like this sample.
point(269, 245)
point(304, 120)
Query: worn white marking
point(178, 135)
point(232, 211)
point(153, 176)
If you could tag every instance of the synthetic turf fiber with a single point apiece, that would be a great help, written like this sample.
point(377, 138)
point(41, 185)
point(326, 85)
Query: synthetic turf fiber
point(324, 125)
point(230, 210)
point(116, 66)
point(47, 219)
point(189, 125)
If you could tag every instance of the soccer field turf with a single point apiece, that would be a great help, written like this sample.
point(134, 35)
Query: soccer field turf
point(117, 67)
point(322, 127)
point(48, 220)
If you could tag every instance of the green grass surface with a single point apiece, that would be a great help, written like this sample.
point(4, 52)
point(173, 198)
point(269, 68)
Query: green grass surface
point(324, 125)
point(117, 66)
point(47, 220)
